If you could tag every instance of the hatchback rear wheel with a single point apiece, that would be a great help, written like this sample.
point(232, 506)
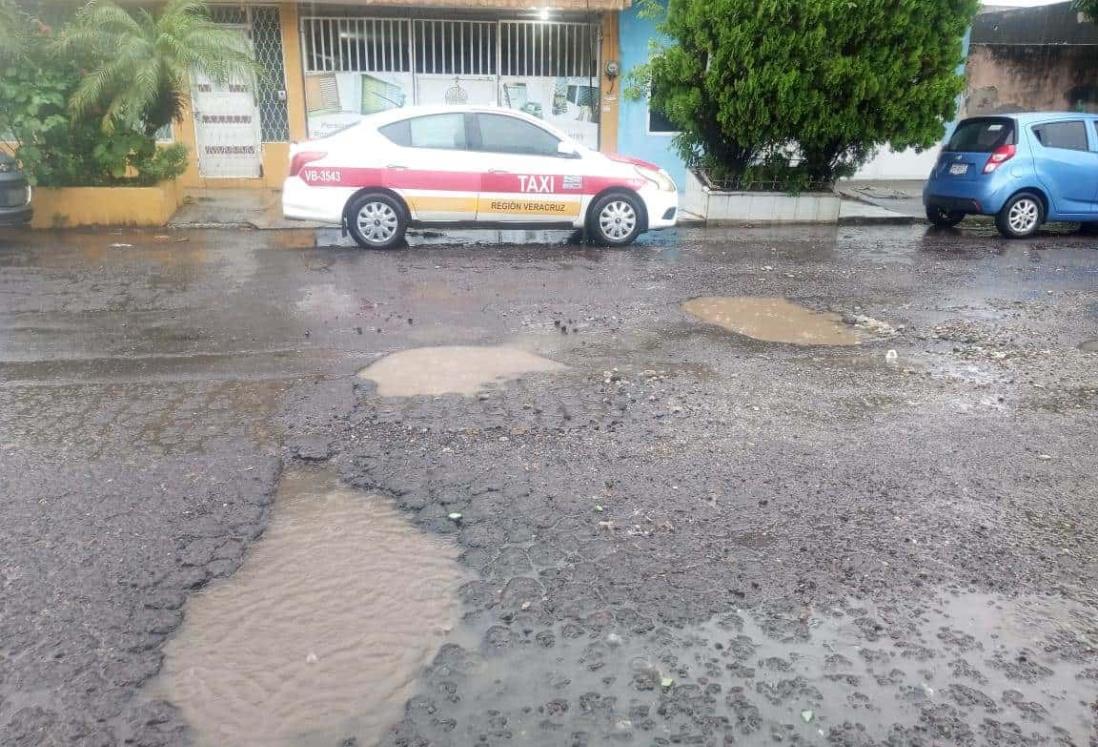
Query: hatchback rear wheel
point(1021, 216)
point(377, 221)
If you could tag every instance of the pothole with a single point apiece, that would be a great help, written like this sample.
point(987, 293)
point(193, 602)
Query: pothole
point(454, 369)
point(318, 637)
point(772, 320)
point(1089, 346)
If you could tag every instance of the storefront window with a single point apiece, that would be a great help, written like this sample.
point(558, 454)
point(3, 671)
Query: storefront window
point(355, 66)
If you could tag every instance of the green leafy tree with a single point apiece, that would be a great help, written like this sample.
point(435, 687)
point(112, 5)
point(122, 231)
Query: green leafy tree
point(1089, 7)
point(140, 64)
point(799, 92)
point(15, 32)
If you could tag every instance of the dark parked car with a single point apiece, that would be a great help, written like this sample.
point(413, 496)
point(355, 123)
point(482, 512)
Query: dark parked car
point(15, 194)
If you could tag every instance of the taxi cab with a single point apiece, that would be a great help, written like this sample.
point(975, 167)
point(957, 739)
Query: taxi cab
point(471, 166)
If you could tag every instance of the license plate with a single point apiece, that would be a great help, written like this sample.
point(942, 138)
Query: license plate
point(958, 169)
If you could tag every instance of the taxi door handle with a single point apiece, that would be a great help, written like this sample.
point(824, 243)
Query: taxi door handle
point(397, 166)
point(498, 171)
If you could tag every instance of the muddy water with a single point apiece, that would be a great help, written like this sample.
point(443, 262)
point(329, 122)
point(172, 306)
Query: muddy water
point(319, 635)
point(451, 369)
point(772, 320)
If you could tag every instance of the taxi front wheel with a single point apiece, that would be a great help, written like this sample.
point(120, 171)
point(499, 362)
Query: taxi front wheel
point(377, 221)
point(615, 220)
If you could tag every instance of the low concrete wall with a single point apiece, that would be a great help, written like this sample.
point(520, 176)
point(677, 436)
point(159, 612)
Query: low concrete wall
point(67, 207)
point(718, 207)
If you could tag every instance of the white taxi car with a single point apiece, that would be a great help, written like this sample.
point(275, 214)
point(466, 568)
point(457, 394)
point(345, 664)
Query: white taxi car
point(471, 166)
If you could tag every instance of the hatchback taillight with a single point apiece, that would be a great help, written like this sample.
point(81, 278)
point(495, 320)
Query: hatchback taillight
point(300, 159)
point(998, 157)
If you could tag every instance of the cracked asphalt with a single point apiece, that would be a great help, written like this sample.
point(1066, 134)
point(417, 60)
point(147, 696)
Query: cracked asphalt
point(685, 536)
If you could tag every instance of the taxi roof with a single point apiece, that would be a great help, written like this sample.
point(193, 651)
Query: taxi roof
point(380, 119)
point(407, 112)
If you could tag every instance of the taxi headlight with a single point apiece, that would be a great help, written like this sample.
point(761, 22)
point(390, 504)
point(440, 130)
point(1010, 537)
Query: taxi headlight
point(661, 179)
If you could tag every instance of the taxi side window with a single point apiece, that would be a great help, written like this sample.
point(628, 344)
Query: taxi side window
point(502, 134)
point(444, 131)
point(399, 132)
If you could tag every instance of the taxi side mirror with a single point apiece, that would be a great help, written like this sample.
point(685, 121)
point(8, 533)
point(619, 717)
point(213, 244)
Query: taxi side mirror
point(566, 150)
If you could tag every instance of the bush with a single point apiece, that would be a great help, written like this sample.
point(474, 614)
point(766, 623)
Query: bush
point(800, 92)
point(1089, 7)
point(58, 148)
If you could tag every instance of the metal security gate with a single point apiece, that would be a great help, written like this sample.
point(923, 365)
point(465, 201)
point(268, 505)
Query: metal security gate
point(357, 66)
point(227, 130)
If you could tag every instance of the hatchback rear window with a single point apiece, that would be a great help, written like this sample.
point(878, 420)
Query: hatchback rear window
point(981, 135)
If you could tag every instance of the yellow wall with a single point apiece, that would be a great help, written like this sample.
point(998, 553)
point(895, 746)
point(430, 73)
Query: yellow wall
point(60, 207)
point(295, 71)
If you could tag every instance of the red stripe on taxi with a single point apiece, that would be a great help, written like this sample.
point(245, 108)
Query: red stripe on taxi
point(463, 181)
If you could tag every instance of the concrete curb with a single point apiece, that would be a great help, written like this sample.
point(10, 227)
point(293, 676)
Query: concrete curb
point(194, 226)
point(884, 220)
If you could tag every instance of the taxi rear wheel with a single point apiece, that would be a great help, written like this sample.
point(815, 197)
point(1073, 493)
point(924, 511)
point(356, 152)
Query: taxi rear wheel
point(615, 220)
point(377, 221)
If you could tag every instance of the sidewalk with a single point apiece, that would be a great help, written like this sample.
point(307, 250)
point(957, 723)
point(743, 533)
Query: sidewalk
point(881, 201)
point(234, 208)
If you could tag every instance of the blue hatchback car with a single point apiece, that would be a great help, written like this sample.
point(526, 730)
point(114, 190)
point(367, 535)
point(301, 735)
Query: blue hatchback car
point(1025, 169)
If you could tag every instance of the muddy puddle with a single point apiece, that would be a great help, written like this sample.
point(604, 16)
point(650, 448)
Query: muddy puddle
point(318, 637)
point(454, 369)
point(772, 320)
point(976, 667)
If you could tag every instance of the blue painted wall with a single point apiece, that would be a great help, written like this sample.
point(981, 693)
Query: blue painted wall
point(636, 34)
point(633, 138)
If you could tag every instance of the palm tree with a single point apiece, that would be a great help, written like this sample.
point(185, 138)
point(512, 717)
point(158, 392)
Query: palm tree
point(140, 65)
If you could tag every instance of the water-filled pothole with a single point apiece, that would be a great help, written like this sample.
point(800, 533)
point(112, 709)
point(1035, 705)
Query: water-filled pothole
point(452, 369)
point(318, 637)
point(772, 320)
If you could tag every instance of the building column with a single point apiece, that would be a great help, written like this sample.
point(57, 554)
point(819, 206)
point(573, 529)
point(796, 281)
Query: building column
point(609, 90)
point(295, 81)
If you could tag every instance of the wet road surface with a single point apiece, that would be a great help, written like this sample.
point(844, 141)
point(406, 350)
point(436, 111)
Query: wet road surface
point(665, 531)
